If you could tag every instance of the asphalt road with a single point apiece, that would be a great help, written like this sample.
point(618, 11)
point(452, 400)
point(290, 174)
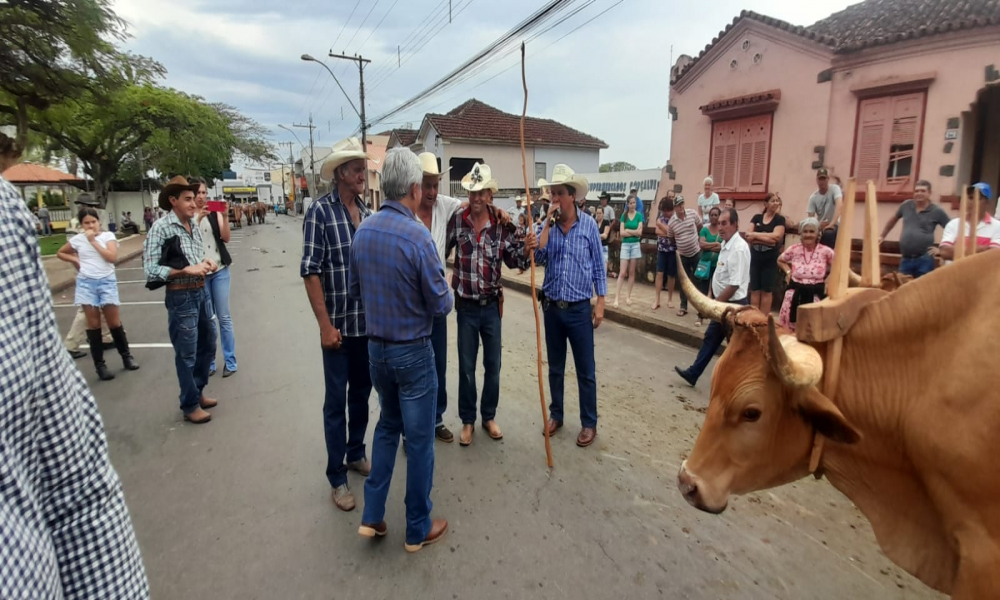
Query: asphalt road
point(240, 508)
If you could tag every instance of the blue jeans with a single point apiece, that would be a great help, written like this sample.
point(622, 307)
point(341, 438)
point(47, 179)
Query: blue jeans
point(46, 225)
point(917, 267)
point(404, 376)
point(439, 340)
point(348, 387)
point(189, 317)
point(217, 285)
point(575, 325)
point(714, 335)
point(475, 322)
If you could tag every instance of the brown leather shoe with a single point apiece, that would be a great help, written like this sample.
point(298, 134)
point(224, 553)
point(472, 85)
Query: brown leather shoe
point(208, 402)
point(493, 429)
point(465, 438)
point(586, 437)
point(554, 426)
point(362, 466)
point(343, 498)
point(439, 527)
point(370, 530)
point(198, 416)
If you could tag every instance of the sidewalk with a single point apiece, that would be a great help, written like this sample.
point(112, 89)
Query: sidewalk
point(62, 275)
point(662, 322)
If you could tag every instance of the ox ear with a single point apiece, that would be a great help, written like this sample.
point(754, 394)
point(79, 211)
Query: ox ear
point(821, 412)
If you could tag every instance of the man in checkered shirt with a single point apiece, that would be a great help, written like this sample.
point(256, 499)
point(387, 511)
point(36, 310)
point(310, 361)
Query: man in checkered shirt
point(64, 529)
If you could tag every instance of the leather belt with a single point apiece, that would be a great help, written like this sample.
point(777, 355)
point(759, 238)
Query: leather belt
point(561, 304)
point(186, 286)
point(486, 301)
point(397, 342)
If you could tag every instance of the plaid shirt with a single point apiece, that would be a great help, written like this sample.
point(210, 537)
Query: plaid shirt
point(477, 261)
point(326, 251)
point(64, 527)
point(169, 226)
point(395, 268)
point(574, 265)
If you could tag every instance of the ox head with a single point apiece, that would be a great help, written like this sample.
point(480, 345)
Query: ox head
point(763, 412)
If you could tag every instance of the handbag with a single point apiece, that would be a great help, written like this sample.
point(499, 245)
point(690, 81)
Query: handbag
point(704, 269)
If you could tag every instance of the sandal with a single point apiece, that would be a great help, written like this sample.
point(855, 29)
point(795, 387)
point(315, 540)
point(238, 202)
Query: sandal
point(682, 313)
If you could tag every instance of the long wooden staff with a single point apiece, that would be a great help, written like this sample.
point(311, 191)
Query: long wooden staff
point(534, 294)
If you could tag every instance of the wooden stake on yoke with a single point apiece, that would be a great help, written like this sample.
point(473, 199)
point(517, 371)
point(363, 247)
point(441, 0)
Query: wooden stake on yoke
point(974, 225)
point(534, 294)
point(960, 240)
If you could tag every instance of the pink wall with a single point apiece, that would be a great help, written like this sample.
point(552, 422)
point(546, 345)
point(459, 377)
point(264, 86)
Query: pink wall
point(788, 63)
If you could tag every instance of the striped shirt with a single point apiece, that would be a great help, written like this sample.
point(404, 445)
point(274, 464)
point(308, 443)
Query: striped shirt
point(326, 246)
point(64, 526)
point(395, 270)
point(574, 264)
point(192, 244)
point(685, 232)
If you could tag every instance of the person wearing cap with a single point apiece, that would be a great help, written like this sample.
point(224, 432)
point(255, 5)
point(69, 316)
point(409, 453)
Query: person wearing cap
point(482, 245)
point(607, 210)
point(174, 256)
point(435, 212)
point(684, 229)
point(987, 236)
point(920, 218)
point(825, 204)
point(570, 248)
point(329, 229)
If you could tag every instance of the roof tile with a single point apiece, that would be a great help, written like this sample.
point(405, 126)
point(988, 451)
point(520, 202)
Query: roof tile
point(475, 120)
point(27, 173)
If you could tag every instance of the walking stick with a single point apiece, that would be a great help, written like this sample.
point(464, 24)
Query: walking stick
point(534, 293)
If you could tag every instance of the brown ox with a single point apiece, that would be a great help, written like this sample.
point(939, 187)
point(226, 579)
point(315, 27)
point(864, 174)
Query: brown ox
point(912, 433)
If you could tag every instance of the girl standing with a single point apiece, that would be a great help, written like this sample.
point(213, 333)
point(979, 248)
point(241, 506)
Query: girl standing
point(215, 231)
point(93, 252)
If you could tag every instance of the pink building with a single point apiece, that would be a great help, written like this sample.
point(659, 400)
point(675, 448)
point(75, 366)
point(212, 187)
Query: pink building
point(888, 90)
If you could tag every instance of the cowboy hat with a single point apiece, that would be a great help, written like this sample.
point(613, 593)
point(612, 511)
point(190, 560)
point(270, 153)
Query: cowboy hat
point(429, 164)
point(173, 189)
point(563, 175)
point(343, 151)
point(479, 178)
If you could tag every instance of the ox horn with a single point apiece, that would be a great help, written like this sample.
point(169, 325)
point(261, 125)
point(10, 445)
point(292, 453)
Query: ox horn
point(798, 365)
point(712, 309)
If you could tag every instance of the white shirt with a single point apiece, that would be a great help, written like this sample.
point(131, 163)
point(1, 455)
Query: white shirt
point(609, 213)
point(211, 248)
point(733, 269)
point(92, 264)
point(444, 208)
point(987, 233)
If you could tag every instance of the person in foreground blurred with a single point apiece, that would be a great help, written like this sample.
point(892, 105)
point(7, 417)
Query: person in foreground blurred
point(66, 531)
point(396, 273)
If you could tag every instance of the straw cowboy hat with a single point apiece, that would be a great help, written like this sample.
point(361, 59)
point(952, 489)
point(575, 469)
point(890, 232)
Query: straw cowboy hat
point(173, 189)
point(563, 175)
point(479, 178)
point(344, 151)
point(429, 163)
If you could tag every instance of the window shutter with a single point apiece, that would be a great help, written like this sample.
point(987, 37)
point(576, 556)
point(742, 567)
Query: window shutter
point(903, 141)
point(740, 152)
point(724, 154)
point(729, 179)
point(871, 147)
point(887, 141)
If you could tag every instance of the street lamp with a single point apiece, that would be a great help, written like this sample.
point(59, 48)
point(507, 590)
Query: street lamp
point(310, 58)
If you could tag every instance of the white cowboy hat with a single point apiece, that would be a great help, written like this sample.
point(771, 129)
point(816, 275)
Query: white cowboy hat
point(563, 175)
point(344, 151)
point(429, 163)
point(479, 178)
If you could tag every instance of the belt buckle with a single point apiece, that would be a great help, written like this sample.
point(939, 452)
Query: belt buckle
point(484, 301)
point(562, 304)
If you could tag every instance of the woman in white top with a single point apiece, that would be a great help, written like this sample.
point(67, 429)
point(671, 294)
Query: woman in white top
point(707, 199)
point(216, 234)
point(93, 252)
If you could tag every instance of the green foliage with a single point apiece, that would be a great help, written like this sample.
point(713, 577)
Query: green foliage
point(615, 167)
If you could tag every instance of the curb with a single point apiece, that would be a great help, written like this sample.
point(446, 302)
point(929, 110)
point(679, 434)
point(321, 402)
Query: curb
point(664, 330)
point(61, 286)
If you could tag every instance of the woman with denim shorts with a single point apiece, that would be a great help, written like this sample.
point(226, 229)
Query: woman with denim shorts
point(631, 253)
point(215, 232)
point(94, 252)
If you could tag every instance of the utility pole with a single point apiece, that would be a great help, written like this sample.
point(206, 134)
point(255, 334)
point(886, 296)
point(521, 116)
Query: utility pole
point(291, 173)
point(364, 124)
point(312, 156)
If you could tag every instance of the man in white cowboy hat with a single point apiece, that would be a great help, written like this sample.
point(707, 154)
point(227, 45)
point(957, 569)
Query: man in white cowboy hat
point(574, 272)
point(517, 210)
point(329, 229)
point(483, 243)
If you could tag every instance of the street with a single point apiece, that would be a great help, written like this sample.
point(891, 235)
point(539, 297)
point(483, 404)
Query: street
point(240, 507)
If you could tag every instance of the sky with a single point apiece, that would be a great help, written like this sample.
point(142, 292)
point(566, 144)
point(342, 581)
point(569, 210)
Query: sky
point(604, 74)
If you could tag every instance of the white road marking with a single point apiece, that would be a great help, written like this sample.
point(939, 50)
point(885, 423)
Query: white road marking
point(145, 302)
point(140, 346)
point(129, 268)
point(132, 281)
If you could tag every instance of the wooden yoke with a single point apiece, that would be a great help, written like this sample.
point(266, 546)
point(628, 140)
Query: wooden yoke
point(974, 226)
point(960, 243)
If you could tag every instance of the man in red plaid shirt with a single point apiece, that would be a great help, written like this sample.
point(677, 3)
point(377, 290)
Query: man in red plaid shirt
point(482, 244)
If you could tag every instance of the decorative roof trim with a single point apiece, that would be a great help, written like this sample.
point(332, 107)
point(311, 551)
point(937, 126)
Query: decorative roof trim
point(744, 105)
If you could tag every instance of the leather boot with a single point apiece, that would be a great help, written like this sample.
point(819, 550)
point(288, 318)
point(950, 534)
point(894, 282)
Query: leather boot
point(97, 352)
point(121, 342)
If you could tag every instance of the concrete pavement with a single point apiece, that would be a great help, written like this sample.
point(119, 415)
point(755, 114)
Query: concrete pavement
point(240, 507)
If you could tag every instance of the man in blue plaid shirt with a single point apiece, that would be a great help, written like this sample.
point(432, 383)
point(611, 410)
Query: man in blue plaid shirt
point(328, 231)
point(64, 526)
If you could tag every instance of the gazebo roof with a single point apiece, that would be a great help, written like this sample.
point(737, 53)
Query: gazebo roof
point(29, 174)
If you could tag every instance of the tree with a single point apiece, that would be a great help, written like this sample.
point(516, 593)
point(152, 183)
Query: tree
point(616, 167)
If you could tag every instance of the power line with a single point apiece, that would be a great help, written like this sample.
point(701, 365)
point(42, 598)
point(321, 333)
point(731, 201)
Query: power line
point(405, 43)
point(323, 87)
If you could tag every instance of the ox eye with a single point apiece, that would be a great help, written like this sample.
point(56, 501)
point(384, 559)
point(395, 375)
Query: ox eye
point(751, 414)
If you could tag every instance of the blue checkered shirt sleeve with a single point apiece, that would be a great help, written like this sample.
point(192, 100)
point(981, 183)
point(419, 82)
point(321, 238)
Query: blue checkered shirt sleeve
point(64, 526)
